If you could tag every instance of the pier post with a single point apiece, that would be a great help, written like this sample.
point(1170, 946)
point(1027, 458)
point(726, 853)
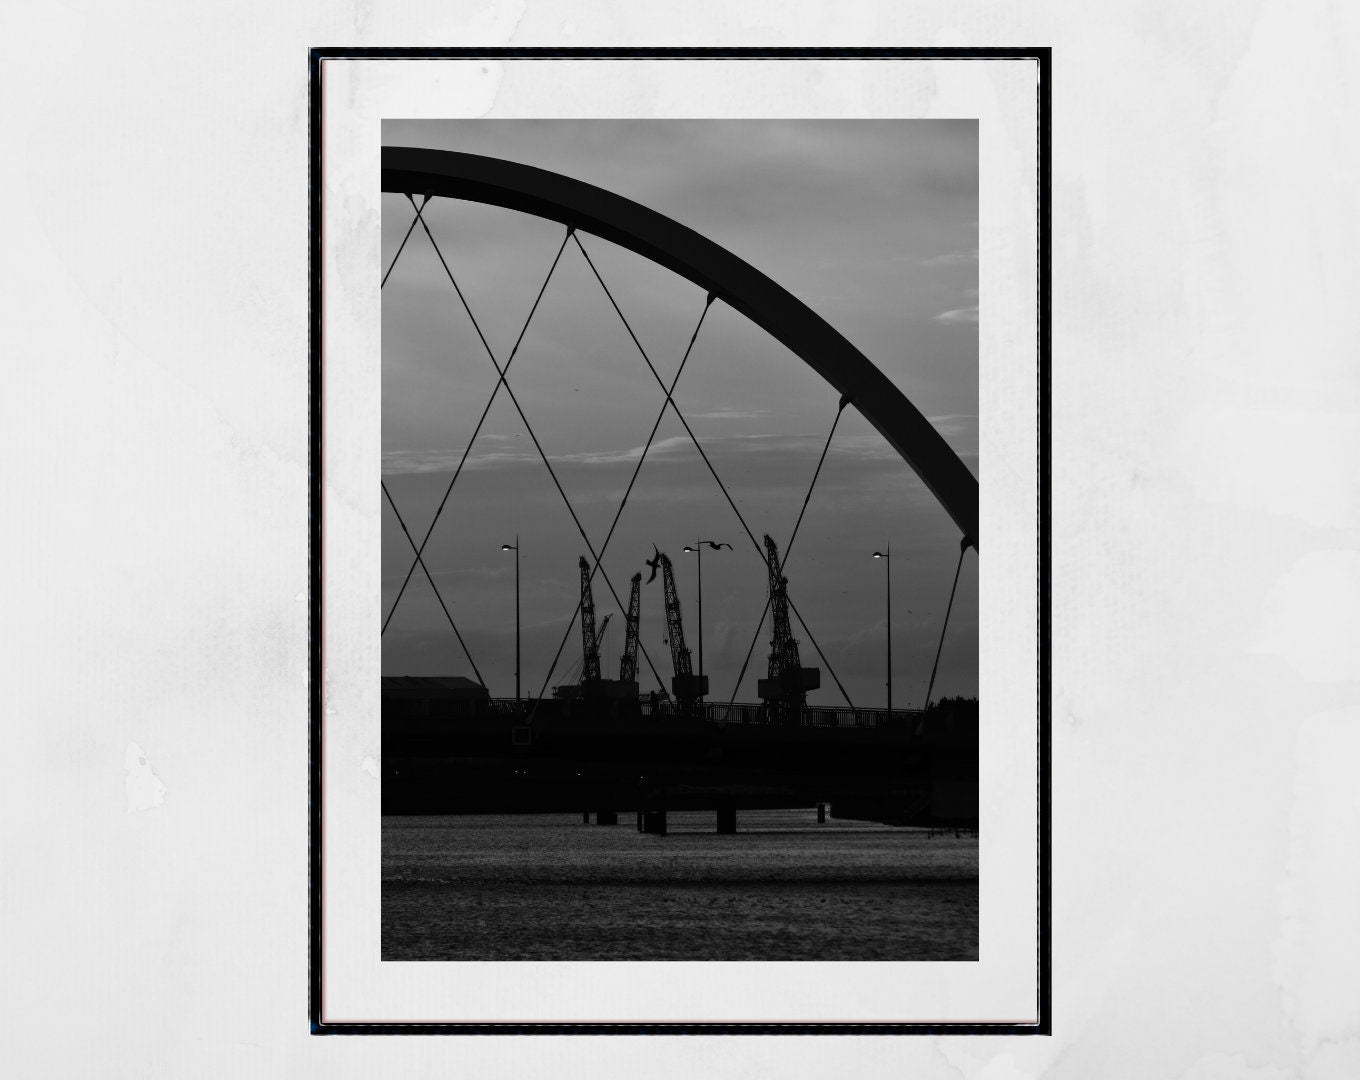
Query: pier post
point(654, 822)
point(585, 817)
point(727, 817)
point(606, 817)
point(821, 813)
point(639, 821)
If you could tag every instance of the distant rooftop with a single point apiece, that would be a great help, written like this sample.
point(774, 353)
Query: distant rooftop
point(430, 682)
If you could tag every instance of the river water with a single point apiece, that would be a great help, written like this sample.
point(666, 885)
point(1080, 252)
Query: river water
point(547, 887)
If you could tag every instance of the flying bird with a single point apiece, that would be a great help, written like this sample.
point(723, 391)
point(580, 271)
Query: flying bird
point(653, 562)
point(716, 546)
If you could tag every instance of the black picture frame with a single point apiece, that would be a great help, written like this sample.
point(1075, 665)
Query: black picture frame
point(1042, 56)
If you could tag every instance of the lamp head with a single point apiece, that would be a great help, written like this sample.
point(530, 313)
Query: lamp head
point(879, 555)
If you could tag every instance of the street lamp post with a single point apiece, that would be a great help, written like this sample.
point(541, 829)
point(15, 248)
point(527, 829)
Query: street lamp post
point(515, 548)
point(886, 556)
point(698, 550)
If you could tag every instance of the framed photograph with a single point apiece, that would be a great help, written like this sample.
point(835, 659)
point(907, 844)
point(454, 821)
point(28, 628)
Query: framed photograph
point(679, 541)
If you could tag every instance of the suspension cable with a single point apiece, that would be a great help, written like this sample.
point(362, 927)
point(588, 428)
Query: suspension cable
point(402, 246)
point(723, 487)
point(749, 652)
point(480, 421)
point(547, 464)
point(756, 637)
point(840, 408)
point(624, 501)
point(832, 671)
point(670, 401)
point(963, 550)
point(430, 578)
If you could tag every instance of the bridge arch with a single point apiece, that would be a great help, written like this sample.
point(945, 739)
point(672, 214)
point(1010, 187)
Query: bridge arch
point(591, 209)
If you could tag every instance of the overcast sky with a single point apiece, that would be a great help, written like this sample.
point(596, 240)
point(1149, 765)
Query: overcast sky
point(873, 224)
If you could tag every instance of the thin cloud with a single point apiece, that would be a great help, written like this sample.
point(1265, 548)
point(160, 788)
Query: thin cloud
point(951, 258)
point(958, 315)
point(866, 447)
point(614, 457)
point(730, 414)
point(954, 423)
point(463, 573)
point(406, 462)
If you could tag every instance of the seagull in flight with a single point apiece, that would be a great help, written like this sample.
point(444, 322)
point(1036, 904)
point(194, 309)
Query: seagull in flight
point(653, 562)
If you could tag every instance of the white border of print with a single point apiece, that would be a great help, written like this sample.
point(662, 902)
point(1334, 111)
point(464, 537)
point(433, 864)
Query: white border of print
point(357, 986)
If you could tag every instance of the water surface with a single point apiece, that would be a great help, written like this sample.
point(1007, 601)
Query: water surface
point(547, 887)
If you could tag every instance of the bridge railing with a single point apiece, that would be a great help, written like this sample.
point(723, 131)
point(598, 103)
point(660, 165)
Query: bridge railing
point(812, 715)
point(755, 713)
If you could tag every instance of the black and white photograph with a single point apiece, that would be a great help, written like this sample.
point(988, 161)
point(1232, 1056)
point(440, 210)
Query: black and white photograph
point(613, 540)
point(680, 540)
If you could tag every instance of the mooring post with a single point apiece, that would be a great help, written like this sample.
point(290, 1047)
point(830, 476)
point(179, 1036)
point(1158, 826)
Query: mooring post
point(727, 816)
point(654, 822)
point(606, 817)
point(821, 813)
point(585, 817)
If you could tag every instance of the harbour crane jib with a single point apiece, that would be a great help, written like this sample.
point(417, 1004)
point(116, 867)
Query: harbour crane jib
point(687, 687)
point(785, 690)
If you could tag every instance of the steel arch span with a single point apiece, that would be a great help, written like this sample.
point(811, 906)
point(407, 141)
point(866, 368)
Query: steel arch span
point(549, 195)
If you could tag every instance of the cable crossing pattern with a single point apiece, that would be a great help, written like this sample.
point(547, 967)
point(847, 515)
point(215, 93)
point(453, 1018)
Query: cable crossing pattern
point(589, 569)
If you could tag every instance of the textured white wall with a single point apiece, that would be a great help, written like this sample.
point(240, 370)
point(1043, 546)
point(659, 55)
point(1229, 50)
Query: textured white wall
point(1206, 566)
